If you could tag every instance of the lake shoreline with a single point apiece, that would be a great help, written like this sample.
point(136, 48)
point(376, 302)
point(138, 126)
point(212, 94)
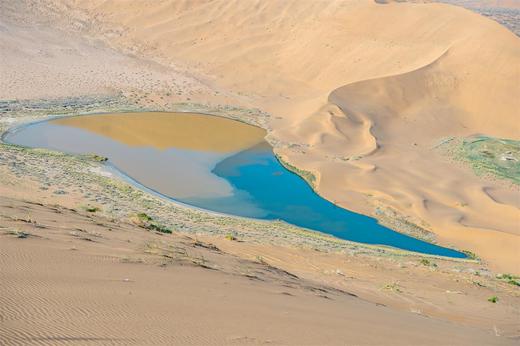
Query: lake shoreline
point(273, 243)
point(17, 126)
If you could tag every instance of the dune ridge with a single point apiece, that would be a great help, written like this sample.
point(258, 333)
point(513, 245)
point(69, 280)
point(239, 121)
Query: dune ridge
point(419, 98)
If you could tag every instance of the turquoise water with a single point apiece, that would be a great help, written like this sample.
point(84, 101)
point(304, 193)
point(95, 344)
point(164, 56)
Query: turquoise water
point(251, 183)
point(281, 194)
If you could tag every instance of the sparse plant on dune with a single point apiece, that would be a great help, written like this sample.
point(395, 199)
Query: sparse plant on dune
point(159, 228)
point(510, 279)
point(394, 286)
point(493, 299)
point(144, 220)
point(230, 236)
point(144, 217)
point(426, 262)
point(92, 209)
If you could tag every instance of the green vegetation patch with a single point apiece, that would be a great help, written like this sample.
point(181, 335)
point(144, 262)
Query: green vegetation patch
point(471, 255)
point(394, 286)
point(510, 279)
point(308, 176)
point(488, 155)
point(493, 299)
point(97, 158)
point(158, 228)
point(144, 220)
point(427, 263)
point(144, 217)
point(92, 209)
point(392, 219)
point(230, 236)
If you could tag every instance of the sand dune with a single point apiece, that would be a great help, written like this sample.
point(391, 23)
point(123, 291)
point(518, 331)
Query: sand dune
point(412, 111)
point(360, 93)
point(83, 279)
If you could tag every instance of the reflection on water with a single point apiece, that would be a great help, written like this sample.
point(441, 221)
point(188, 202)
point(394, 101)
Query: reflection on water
point(212, 163)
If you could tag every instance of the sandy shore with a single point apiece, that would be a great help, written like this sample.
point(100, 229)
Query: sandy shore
point(360, 104)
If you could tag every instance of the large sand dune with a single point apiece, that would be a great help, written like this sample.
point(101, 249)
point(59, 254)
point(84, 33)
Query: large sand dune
point(360, 93)
point(408, 112)
point(86, 280)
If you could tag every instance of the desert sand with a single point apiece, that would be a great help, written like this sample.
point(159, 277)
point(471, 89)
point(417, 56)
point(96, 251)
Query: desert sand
point(383, 83)
point(150, 290)
point(359, 93)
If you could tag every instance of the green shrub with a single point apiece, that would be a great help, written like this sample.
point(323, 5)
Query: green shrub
point(510, 279)
point(159, 228)
point(425, 262)
point(144, 217)
point(98, 158)
point(493, 299)
point(471, 255)
point(230, 236)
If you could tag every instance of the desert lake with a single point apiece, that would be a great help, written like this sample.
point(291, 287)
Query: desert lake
point(212, 163)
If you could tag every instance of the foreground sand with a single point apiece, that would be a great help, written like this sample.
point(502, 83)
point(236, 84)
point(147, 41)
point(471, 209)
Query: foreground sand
point(81, 279)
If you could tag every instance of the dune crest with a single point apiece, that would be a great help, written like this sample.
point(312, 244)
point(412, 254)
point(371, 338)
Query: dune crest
point(413, 110)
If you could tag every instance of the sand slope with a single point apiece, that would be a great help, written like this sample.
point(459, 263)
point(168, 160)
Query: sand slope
point(87, 280)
